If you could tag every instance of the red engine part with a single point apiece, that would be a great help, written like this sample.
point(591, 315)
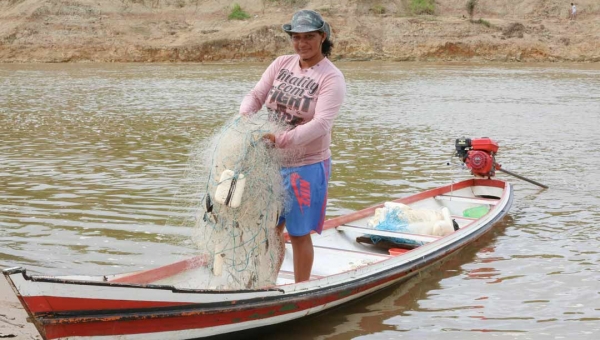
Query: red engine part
point(479, 155)
point(484, 144)
point(481, 163)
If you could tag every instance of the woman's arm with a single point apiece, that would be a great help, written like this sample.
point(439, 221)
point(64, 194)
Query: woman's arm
point(256, 98)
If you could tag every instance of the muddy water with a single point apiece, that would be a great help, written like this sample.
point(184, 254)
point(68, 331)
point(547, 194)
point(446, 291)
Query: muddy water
point(93, 156)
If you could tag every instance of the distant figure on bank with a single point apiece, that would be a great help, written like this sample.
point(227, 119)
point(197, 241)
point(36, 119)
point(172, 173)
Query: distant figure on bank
point(573, 11)
point(304, 90)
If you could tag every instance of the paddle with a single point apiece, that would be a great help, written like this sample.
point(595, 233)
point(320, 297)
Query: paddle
point(523, 178)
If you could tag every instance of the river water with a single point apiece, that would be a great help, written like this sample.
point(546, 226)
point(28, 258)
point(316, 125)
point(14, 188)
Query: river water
point(93, 159)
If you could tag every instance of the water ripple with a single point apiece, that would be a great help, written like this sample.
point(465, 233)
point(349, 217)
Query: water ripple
point(94, 158)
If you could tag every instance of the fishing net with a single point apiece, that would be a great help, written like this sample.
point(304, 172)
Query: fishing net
point(241, 199)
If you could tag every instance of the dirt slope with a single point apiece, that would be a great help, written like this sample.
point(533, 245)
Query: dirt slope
point(198, 30)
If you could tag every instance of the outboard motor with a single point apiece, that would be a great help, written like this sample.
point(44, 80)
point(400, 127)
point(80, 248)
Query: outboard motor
point(479, 154)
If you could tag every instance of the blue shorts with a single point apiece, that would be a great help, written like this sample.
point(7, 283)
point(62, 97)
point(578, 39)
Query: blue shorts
point(306, 188)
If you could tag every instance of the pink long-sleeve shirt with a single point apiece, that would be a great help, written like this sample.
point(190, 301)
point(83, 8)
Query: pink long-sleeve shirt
point(307, 99)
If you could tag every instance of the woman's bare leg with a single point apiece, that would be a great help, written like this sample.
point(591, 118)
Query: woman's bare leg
point(303, 257)
point(280, 246)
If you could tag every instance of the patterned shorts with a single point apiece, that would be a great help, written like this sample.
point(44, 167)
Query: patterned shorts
point(306, 188)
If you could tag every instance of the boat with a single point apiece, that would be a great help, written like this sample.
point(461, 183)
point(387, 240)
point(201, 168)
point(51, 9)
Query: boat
point(149, 305)
point(354, 259)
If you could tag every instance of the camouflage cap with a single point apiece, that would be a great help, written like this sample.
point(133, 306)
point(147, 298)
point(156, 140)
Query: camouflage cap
point(306, 20)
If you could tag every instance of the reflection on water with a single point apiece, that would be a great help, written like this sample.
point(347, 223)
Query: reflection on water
point(93, 159)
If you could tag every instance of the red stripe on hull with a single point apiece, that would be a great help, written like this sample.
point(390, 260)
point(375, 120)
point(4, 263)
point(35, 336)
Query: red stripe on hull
point(155, 322)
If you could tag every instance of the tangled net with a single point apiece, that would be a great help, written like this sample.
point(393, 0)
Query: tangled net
point(240, 241)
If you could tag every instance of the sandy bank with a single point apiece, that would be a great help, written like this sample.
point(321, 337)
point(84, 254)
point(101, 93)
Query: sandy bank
point(199, 30)
point(13, 318)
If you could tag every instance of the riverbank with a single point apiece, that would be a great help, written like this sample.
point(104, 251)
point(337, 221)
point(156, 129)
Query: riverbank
point(13, 318)
point(200, 31)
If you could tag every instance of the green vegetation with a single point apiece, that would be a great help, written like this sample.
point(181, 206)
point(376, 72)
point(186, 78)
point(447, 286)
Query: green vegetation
point(377, 9)
point(422, 6)
point(471, 8)
point(237, 13)
point(471, 4)
point(483, 22)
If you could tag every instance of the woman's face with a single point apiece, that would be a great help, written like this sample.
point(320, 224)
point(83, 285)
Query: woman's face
point(308, 45)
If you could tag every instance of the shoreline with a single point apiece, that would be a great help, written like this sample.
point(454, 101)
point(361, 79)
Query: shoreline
point(588, 61)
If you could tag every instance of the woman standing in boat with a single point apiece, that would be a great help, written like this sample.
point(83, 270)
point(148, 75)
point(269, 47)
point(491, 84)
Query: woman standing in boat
point(304, 90)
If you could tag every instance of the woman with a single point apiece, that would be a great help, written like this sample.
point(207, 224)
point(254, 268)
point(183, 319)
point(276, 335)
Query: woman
point(306, 91)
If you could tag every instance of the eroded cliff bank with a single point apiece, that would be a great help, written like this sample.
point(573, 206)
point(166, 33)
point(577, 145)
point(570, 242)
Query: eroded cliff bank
point(199, 30)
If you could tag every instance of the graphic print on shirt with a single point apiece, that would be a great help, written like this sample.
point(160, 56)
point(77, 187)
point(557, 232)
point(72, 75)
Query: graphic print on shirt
point(291, 94)
point(301, 190)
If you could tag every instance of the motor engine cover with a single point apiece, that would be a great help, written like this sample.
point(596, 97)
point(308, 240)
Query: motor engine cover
point(485, 144)
point(481, 163)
